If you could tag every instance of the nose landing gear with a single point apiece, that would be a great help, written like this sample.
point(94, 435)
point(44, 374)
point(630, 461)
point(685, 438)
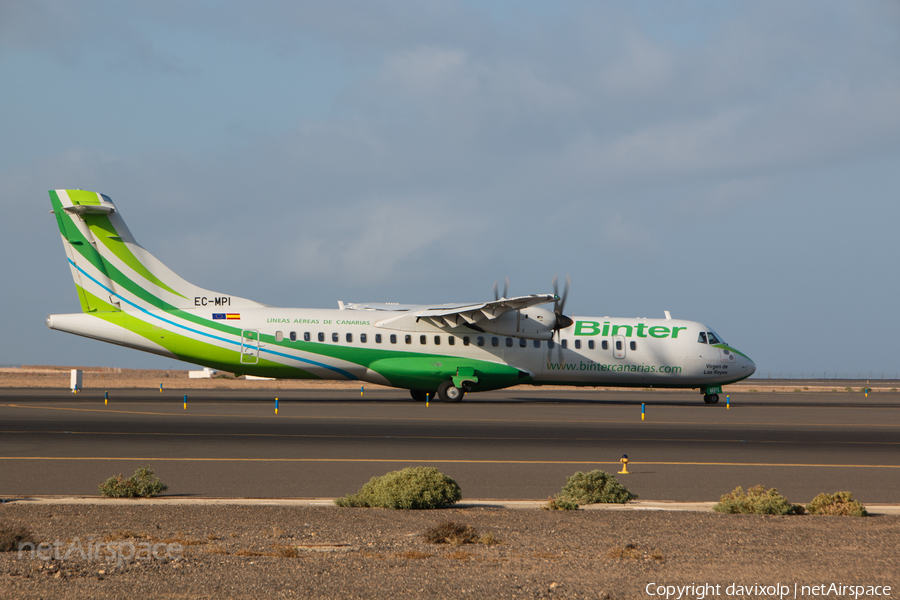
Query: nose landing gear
point(711, 398)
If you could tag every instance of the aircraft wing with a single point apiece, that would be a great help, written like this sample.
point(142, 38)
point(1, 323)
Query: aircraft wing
point(455, 315)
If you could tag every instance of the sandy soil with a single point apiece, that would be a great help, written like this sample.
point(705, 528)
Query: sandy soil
point(319, 552)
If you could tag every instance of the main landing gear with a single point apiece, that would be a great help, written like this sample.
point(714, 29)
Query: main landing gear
point(447, 392)
point(711, 398)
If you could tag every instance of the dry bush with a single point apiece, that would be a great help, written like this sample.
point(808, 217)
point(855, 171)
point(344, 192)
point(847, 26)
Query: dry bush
point(595, 487)
point(839, 504)
point(449, 532)
point(757, 501)
point(143, 484)
point(12, 535)
point(410, 488)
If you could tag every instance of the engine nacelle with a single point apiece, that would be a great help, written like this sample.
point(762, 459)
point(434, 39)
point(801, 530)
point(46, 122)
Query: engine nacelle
point(530, 323)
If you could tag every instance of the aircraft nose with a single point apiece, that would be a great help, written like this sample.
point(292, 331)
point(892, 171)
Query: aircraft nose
point(749, 365)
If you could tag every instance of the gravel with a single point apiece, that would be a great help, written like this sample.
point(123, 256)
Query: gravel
point(324, 552)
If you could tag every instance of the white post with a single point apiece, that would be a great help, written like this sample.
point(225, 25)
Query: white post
point(76, 380)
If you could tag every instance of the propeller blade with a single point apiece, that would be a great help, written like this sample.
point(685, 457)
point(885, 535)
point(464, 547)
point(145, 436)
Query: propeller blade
point(506, 287)
point(496, 295)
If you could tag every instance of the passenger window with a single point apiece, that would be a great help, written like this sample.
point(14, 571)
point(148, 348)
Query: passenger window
point(377, 338)
point(633, 345)
point(618, 344)
point(465, 340)
point(349, 338)
point(604, 344)
point(321, 337)
point(565, 343)
point(523, 343)
point(393, 338)
point(509, 342)
point(480, 340)
point(407, 339)
point(437, 340)
point(279, 335)
point(702, 338)
point(306, 336)
point(495, 341)
point(335, 337)
point(423, 339)
point(537, 343)
point(551, 344)
point(363, 337)
point(712, 338)
point(293, 336)
point(590, 344)
point(451, 340)
point(578, 344)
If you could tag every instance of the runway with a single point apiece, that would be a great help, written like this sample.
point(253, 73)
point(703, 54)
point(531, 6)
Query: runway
point(510, 444)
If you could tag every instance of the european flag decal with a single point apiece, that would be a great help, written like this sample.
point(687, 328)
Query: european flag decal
point(226, 316)
point(217, 316)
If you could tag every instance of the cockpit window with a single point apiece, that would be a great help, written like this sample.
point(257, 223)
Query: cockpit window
point(702, 338)
point(712, 338)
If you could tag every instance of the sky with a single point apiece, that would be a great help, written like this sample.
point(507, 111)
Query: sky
point(733, 163)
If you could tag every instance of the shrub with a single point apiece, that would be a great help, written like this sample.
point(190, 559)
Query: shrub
point(142, 484)
point(450, 532)
point(839, 503)
point(757, 501)
point(409, 488)
point(13, 535)
point(596, 487)
point(559, 504)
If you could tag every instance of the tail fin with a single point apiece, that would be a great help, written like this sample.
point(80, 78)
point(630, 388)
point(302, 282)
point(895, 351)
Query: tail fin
point(112, 272)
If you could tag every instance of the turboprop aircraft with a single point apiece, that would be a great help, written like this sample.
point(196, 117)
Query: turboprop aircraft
point(129, 298)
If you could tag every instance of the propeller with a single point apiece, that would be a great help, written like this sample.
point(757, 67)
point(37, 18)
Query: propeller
point(560, 321)
point(497, 296)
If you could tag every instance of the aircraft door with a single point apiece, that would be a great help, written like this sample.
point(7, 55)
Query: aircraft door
point(619, 346)
point(249, 346)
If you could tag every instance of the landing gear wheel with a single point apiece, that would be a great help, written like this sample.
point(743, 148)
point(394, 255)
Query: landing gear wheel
point(450, 393)
point(418, 395)
point(711, 398)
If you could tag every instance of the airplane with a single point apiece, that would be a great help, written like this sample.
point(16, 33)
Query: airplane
point(128, 297)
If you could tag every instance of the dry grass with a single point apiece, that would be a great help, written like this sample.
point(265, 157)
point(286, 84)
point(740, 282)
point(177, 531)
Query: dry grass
point(449, 532)
point(13, 535)
point(460, 555)
point(632, 552)
point(413, 554)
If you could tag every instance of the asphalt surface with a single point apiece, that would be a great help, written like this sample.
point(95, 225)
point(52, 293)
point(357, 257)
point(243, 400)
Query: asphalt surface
point(510, 444)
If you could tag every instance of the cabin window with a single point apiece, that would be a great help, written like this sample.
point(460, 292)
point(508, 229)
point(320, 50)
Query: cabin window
point(537, 343)
point(293, 336)
point(578, 344)
point(633, 345)
point(551, 344)
point(590, 344)
point(306, 336)
point(407, 339)
point(393, 338)
point(321, 336)
point(618, 344)
point(604, 344)
point(335, 337)
point(495, 341)
point(349, 338)
point(702, 338)
point(279, 335)
point(423, 339)
point(565, 343)
point(437, 340)
point(509, 342)
point(377, 338)
point(480, 340)
point(451, 340)
point(523, 343)
point(363, 338)
point(465, 340)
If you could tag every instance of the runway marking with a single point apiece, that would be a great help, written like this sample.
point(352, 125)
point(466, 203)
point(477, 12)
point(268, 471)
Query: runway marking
point(454, 419)
point(448, 461)
point(434, 437)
